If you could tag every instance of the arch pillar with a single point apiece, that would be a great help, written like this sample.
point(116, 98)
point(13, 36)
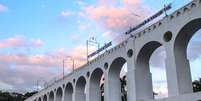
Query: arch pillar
point(178, 73)
point(143, 85)
point(139, 78)
point(110, 89)
point(87, 90)
point(131, 93)
point(94, 91)
point(48, 97)
point(142, 74)
point(73, 98)
point(54, 95)
point(63, 94)
point(112, 80)
point(80, 87)
point(106, 89)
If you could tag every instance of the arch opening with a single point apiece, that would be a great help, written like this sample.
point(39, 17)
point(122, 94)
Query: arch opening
point(194, 57)
point(96, 89)
point(143, 69)
point(59, 94)
point(184, 52)
point(68, 92)
point(45, 98)
point(158, 70)
point(51, 96)
point(116, 84)
point(80, 89)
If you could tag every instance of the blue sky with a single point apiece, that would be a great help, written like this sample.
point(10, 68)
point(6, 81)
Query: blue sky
point(32, 31)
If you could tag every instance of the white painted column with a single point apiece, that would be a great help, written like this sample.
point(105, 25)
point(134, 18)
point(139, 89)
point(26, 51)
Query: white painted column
point(139, 79)
point(55, 96)
point(73, 99)
point(80, 93)
point(112, 88)
point(80, 96)
point(87, 91)
point(48, 97)
point(63, 94)
point(178, 74)
point(143, 83)
point(131, 93)
point(106, 90)
point(94, 93)
point(131, 81)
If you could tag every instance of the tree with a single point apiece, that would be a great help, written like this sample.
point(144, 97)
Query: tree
point(13, 96)
point(197, 85)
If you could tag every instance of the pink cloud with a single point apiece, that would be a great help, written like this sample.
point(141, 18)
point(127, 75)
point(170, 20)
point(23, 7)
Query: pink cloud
point(20, 42)
point(117, 18)
point(131, 2)
point(49, 60)
point(78, 53)
point(22, 67)
point(3, 8)
point(37, 43)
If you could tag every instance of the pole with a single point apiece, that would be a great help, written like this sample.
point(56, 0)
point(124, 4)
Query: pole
point(37, 85)
point(87, 52)
point(73, 64)
point(91, 41)
point(63, 68)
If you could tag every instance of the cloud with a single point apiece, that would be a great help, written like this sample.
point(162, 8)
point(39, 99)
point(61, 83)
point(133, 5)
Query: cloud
point(194, 49)
point(3, 8)
point(19, 72)
point(20, 42)
point(158, 57)
point(131, 2)
point(23, 77)
point(117, 18)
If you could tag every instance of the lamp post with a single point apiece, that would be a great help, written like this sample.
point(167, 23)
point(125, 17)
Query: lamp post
point(91, 41)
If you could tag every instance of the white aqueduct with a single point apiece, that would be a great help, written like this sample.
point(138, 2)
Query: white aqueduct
point(173, 32)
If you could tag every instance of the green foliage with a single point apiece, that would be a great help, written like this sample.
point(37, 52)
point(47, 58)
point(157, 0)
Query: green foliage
point(197, 85)
point(7, 96)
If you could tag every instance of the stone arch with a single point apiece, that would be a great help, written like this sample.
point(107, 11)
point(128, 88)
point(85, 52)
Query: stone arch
point(114, 84)
point(184, 36)
point(180, 52)
point(80, 94)
point(51, 96)
point(68, 95)
point(143, 76)
point(95, 81)
point(59, 94)
point(45, 97)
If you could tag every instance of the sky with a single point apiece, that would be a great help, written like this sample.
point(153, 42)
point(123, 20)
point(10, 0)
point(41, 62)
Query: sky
point(36, 35)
